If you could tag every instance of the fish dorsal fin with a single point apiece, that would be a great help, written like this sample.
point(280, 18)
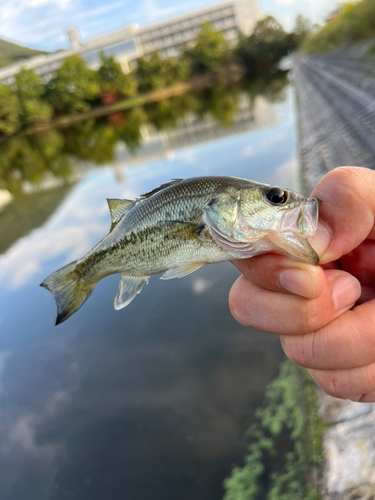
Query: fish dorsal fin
point(160, 188)
point(118, 208)
point(181, 271)
point(129, 287)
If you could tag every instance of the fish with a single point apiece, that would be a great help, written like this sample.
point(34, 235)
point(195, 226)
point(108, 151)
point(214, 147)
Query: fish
point(182, 225)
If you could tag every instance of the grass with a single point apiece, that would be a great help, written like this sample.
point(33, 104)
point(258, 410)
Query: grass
point(285, 443)
point(354, 22)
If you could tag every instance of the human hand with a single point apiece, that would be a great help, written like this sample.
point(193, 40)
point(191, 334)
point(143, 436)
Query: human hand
point(325, 315)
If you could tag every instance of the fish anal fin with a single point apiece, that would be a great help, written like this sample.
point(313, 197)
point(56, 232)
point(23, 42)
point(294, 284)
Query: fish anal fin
point(160, 188)
point(118, 208)
point(129, 287)
point(181, 271)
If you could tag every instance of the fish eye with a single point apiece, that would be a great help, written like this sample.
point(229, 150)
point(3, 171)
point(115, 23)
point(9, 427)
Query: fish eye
point(277, 196)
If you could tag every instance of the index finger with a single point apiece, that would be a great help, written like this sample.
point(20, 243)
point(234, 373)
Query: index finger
point(347, 208)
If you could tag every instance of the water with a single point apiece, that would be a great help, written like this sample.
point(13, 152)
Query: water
point(151, 401)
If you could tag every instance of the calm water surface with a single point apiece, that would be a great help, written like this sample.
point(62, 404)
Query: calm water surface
point(150, 402)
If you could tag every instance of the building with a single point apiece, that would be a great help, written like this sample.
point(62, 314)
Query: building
point(126, 45)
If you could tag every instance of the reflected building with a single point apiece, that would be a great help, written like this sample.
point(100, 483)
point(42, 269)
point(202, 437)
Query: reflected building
point(194, 130)
point(126, 45)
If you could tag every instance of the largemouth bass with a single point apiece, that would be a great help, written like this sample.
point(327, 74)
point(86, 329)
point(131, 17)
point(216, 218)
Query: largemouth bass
point(183, 225)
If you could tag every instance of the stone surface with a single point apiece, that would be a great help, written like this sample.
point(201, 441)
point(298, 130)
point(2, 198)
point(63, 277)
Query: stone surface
point(349, 449)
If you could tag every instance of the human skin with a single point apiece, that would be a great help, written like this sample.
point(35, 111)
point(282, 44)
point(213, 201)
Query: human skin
point(325, 315)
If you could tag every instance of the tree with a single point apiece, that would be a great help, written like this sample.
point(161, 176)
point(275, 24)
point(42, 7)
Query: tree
point(74, 85)
point(112, 79)
point(30, 91)
point(156, 73)
point(266, 46)
point(9, 111)
point(303, 26)
point(209, 52)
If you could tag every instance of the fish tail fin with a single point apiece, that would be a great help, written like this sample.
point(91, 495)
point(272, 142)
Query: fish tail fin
point(69, 290)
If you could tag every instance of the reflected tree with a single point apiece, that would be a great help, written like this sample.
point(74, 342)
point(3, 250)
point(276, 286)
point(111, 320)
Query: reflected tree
point(221, 102)
point(270, 85)
point(91, 140)
point(130, 133)
point(166, 113)
point(31, 158)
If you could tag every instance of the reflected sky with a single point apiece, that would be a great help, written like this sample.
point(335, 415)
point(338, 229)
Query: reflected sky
point(148, 402)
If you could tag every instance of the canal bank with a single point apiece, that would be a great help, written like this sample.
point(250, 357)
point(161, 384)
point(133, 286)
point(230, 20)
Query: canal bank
point(336, 125)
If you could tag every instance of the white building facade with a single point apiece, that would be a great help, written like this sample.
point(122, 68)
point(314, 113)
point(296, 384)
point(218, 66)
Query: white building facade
point(168, 38)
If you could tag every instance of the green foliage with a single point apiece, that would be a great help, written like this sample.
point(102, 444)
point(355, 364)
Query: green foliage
point(30, 91)
point(73, 87)
point(285, 442)
point(131, 132)
point(9, 111)
point(30, 159)
point(155, 73)
point(111, 78)
point(270, 84)
point(354, 21)
point(166, 113)
point(265, 46)
point(302, 27)
point(221, 102)
point(210, 51)
point(11, 53)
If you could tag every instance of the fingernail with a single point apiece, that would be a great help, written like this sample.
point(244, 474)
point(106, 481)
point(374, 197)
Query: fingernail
point(297, 282)
point(321, 240)
point(346, 290)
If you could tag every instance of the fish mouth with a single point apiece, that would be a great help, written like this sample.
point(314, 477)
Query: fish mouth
point(303, 219)
point(308, 219)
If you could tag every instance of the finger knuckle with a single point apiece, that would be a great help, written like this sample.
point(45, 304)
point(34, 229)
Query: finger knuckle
point(298, 349)
point(335, 385)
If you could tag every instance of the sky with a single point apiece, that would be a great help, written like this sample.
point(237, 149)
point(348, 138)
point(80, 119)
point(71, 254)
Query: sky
point(42, 24)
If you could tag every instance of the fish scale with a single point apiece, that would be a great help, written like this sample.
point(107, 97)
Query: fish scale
point(183, 225)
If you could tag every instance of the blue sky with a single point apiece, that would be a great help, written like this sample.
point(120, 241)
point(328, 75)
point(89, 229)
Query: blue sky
point(42, 24)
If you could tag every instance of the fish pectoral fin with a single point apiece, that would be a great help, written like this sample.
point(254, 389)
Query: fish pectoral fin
point(118, 208)
point(129, 287)
point(181, 271)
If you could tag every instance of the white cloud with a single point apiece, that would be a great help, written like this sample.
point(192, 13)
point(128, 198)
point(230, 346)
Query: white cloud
point(60, 4)
point(201, 285)
point(286, 2)
point(151, 12)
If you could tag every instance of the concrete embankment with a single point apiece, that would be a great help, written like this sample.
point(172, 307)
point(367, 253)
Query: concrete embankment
point(336, 118)
point(336, 108)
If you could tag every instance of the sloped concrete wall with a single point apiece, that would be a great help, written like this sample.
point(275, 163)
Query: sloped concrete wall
point(336, 120)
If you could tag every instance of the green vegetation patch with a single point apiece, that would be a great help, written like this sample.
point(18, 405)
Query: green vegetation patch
point(11, 53)
point(285, 443)
point(353, 22)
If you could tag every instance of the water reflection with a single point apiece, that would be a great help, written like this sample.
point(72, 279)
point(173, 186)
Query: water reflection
point(26, 161)
point(151, 401)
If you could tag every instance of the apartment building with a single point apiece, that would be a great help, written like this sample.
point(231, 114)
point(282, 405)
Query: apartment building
point(126, 45)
